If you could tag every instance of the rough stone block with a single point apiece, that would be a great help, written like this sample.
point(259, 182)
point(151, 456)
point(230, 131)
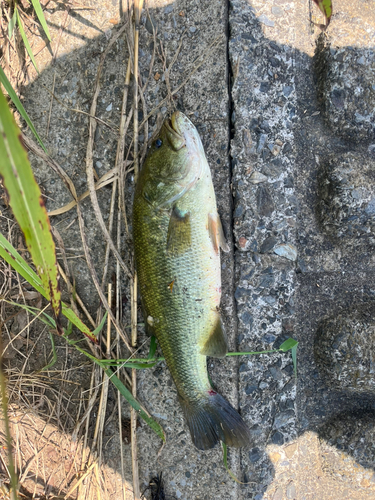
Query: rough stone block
point(346, 206)
point(346, 89)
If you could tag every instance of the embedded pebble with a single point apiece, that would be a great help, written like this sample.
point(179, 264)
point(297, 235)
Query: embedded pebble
point(264, 20)
point(277, 11)
point(257, 178)
point(286, 250)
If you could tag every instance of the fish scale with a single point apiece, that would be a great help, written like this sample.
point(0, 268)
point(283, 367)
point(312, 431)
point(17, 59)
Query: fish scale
point(193, 293)
point(177, 234)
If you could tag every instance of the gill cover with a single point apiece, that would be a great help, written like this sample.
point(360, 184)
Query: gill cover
point(173, 163)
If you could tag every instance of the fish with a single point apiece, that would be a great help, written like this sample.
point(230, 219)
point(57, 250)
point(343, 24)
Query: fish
point(177, 235)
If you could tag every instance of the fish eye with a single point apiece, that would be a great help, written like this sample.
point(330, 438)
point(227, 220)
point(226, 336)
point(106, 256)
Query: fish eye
point(158, 143)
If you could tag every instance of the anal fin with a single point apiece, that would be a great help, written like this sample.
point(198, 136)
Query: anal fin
point(179, 231)
point(215, 229)
point(216, 345)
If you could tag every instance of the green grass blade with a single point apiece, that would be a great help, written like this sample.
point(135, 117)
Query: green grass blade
point(99, 328)
point(10, 255)
point(134, 404)
point(294, 358)
point(225, 462)
point(126, 393)
point(250, 353)
point(28, 206)
point(73, 318)
point(50, 322)
point(137, 363)
point(54, 354)
point(25, 40)
point(152, 351)
point(42, 19)
point(12, 24)
point(150, 361)
point(288, 345)
point(14, 97)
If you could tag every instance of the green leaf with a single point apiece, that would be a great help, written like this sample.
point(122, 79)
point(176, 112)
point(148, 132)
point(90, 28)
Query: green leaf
point(288, 345)
point(42, 19)
point(151, 354)
point(99, 328)
point(10, 255)
point(28, 206)
point(25, 40)
point(14, 97)
point(325, 7)
point(73, 318)
point(11, 24)
point(294, 358)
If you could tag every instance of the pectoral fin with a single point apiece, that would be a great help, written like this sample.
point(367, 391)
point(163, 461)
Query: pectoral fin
point(217, 343)
point(216, 233)
point(179, 231)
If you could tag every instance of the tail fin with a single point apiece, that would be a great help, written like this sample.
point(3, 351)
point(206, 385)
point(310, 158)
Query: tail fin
point(213, 419)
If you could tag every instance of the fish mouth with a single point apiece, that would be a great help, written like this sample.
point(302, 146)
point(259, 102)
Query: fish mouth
point(177, 136)
point(172, 124)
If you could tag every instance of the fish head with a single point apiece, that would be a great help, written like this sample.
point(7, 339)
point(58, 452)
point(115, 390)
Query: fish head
point(174, 162)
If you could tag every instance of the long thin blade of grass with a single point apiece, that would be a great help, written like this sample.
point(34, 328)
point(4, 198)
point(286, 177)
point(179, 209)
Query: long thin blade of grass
point(10, 255)
point(14, 97)
point(149, 362)
point(12, 24)
point(28, 206)
point(225, 462)
point(42, 19)
point(127, 394)
point(25, 40)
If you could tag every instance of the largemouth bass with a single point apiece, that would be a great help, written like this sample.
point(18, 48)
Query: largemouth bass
point(177, 238)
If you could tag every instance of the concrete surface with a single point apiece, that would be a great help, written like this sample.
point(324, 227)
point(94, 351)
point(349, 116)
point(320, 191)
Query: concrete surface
point(276, 122)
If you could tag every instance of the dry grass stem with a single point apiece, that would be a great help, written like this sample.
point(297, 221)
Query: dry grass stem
point(124, 124)
point(214, 45)
point(30, 144)
point(89, 155)
point(110, 228)
point(107, 178)
point(77, 298)
point(50, 106)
